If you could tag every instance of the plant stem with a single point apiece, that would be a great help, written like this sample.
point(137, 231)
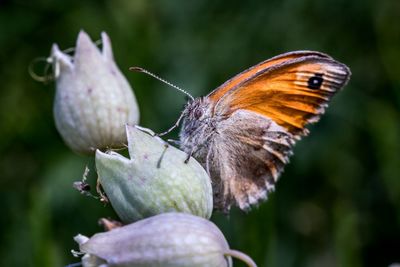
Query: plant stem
point(241, 256)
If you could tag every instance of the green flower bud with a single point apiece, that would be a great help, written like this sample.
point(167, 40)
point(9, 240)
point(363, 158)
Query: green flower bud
point(165, 240)
point(93, 99)
point(154, 180)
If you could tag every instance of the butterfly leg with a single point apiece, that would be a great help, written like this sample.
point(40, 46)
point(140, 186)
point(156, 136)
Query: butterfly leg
point(173, 127)
point(208, 161)
point(162, 155)
point(188, 156)
point(174, 142)
point(146, 130)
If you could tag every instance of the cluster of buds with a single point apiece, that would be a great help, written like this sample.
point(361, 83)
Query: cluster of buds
point(164, 200)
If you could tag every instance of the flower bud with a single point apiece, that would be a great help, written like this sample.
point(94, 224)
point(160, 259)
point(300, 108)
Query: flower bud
point(154, 180)
point(169, 239)
point(93, 99)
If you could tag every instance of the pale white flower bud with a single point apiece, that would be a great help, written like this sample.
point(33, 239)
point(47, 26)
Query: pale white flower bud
point(155, 179)
point(93, 99)
point(165, 240)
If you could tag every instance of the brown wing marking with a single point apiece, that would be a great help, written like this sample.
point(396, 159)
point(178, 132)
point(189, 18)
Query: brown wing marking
point(250, 156)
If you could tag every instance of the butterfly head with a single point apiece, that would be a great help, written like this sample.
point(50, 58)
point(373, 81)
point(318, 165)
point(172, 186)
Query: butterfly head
point(198, 122)
point(198, 109)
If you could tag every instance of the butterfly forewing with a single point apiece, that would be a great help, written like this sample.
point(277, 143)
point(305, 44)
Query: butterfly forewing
point(293, 93)
point(260, 67)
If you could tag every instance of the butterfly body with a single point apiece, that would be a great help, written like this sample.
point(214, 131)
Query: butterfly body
point(243, 131)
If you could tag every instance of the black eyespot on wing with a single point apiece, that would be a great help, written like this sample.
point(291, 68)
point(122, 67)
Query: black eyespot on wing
point(315, 81)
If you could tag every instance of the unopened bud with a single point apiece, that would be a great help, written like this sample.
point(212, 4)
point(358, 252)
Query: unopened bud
point(155, 179)
point(93, 99)
point(169, 239)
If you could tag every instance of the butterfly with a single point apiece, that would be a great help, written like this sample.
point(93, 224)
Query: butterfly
point(244, 131)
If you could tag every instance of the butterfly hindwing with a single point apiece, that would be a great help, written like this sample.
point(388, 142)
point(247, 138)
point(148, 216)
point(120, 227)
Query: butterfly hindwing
point(248, 156)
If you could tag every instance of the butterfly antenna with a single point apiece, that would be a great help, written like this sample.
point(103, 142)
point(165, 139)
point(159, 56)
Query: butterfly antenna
point(139, 69)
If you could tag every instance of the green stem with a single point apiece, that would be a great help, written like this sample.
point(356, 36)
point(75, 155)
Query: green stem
point(241, 256)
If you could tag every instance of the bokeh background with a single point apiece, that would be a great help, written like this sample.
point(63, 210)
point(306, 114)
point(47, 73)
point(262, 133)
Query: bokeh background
point(338, 202)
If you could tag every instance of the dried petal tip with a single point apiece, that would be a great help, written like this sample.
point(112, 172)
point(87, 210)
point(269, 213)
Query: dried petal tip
point(80, 239)
point(155, 179)
point(93, 99)
point(169, 239)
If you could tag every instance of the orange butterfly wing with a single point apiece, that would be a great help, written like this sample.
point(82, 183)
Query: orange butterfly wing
point(293, 92)
point(244, 75)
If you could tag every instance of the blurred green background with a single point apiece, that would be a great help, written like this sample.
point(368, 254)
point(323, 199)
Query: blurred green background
point(338, 202)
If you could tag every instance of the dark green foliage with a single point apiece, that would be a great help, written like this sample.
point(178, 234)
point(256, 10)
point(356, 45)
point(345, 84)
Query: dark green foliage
point(338, 202)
